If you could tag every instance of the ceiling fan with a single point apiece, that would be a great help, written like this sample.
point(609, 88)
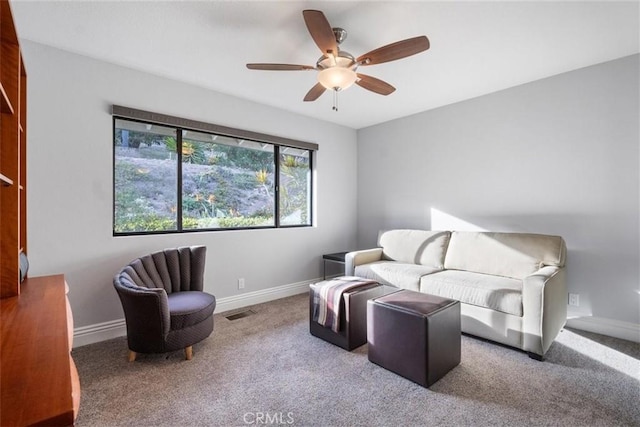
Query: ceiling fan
point(337, 68)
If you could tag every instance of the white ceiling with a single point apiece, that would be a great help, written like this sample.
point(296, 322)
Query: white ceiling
point(476, 47)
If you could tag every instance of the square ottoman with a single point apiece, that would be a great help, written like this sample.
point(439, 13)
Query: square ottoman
point(415, 335)
point(352, 331)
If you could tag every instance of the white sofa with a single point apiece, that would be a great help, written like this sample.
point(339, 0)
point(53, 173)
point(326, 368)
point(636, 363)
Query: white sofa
point(511, 286)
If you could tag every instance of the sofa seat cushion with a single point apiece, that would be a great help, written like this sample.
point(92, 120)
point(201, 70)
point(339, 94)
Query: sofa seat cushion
point(495, 292)
point(392, 273)
point(189, 308)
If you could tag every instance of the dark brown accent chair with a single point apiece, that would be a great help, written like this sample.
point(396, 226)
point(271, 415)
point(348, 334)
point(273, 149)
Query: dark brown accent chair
point(164, 305)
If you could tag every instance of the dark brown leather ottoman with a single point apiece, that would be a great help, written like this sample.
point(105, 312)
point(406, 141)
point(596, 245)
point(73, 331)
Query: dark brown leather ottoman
point(353, 317)
point(415, 335)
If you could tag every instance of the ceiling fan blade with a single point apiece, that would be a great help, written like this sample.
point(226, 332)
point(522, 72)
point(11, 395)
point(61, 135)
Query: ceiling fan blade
point(279, 67)
point(374, 85)
point(315, 92)
point(393, 51)
point(321, 31)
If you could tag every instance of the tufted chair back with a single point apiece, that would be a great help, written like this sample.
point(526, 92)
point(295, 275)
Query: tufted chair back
point(174, 270)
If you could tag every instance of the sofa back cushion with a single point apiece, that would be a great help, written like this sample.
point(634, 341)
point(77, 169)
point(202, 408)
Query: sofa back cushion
point(515, 255)
point(421, 247)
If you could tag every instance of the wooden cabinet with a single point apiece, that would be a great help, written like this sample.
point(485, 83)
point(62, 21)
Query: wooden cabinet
point(39, 381)
point(13, 146)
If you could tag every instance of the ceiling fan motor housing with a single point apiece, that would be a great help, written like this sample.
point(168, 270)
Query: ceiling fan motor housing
point(343, 60)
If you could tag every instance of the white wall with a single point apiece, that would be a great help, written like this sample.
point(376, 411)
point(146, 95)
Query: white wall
point(70, 183)
point(556, 156)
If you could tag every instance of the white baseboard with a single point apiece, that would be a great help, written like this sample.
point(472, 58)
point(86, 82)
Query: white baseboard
point(258, 297)
point(610, 327)
point(98, 332)
point(85, 335)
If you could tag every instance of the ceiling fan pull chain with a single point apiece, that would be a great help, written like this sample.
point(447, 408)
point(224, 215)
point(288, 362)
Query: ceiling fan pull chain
point(335, 100)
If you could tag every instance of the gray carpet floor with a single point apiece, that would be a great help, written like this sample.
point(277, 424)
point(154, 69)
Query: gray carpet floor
point(266, 369)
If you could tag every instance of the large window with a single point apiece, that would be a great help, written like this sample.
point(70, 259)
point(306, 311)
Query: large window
point(170, 178)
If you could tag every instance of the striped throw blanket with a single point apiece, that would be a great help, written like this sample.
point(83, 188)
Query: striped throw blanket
point(327, 296)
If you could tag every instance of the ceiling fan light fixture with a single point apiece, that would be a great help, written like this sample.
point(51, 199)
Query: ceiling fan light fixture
point(337, 78)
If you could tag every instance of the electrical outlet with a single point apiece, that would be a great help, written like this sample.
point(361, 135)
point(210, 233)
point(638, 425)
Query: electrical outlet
point(574, 300)
point(241, 283)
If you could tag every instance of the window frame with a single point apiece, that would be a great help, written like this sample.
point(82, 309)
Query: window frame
point(180, 125)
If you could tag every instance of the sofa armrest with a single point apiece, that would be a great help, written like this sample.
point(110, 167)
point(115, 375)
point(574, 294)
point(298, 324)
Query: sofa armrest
point(356, 258)
point(544, 304)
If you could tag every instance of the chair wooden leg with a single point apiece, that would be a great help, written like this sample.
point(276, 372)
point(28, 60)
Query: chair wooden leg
point(188, 352)
point(132, 356)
